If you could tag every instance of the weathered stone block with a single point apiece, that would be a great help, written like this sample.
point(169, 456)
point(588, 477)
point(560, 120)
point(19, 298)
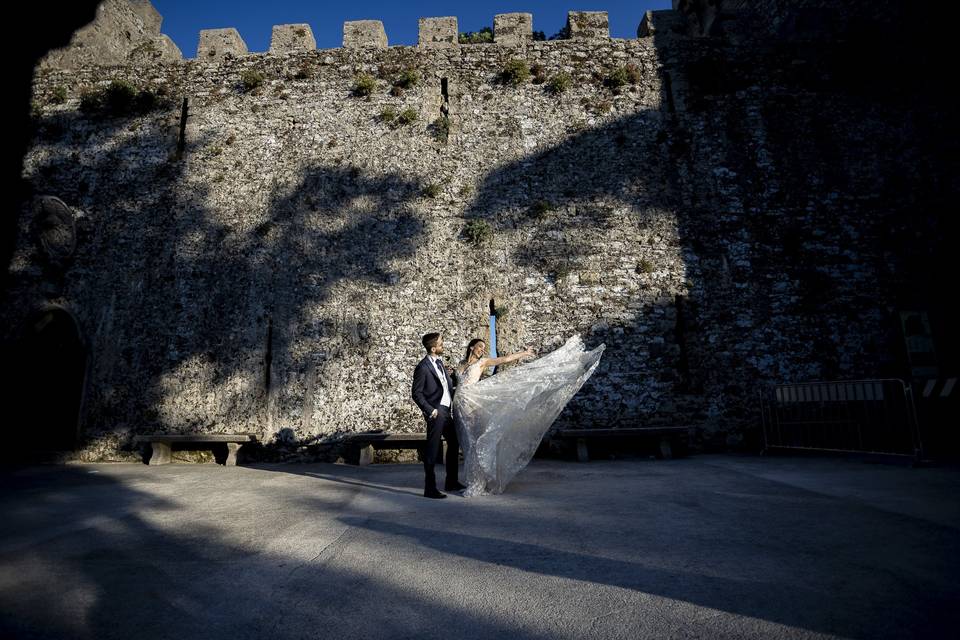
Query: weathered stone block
point(149, 14)
point(438, 32)
point(588, 25)
point(363, 34)
point(216, 44)
point(159, 49)
point(513, 28)
point(287, 38)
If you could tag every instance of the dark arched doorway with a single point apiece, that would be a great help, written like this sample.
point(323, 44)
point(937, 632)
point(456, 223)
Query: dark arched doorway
point(46, 387)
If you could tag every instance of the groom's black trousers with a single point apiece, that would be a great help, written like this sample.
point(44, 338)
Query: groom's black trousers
point(442, 425)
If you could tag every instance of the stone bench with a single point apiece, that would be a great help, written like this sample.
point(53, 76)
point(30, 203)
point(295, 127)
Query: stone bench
point(363, 445)
point(668, 438)
point(160, 452)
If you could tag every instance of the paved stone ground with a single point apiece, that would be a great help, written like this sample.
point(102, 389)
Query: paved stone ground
point(710, 546)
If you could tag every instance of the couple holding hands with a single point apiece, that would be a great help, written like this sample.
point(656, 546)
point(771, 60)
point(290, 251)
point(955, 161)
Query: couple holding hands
point(498, 421)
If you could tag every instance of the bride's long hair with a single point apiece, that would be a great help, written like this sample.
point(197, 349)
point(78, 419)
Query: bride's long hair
point(470, 347)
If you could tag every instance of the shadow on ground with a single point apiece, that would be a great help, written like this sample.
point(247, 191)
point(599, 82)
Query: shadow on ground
point(619, 549)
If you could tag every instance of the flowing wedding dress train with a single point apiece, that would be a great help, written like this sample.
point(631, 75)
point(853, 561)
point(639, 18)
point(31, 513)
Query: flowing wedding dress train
point(501, 420)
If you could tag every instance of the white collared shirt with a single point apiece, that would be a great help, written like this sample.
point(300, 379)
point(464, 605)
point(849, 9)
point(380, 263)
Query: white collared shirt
point(434, 361)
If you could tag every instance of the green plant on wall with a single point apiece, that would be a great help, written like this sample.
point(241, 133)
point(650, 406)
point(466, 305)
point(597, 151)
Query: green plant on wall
point(59, 95)
point(407, 116)
point(120, 96)
point(251, 79)
point(622, 76)
point(559, 83)
point(388, 115)
point(407, 79)
point(515, 72)
point(477, 231)
point(363, 85)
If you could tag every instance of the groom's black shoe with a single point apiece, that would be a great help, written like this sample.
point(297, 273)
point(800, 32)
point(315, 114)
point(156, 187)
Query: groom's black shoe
point(454, 487)
point(433, 493)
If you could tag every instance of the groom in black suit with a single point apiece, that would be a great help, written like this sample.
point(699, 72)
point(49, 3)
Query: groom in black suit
point(433, 393)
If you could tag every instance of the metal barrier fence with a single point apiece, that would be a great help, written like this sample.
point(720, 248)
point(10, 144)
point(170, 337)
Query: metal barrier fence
point(863, 416)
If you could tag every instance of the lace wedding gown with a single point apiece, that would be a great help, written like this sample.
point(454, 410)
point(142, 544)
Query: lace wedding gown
point(501, 420)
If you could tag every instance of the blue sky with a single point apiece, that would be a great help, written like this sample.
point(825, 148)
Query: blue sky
point(182, 21)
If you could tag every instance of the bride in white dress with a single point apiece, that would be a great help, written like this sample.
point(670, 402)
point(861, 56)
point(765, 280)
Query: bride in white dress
point(501, 419)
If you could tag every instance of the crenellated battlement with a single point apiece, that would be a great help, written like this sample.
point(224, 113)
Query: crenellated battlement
point(287, 38)
point(362, 34)
point(103, 42)
point(217, 43)
point(513, 28)
point(127, 32)
point(509, 29)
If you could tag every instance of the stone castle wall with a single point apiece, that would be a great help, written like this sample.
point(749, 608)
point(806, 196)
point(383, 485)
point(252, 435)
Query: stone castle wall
point(718, 226)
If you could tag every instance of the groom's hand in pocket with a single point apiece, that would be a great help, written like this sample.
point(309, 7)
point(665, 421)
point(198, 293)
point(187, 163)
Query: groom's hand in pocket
point(434, 414)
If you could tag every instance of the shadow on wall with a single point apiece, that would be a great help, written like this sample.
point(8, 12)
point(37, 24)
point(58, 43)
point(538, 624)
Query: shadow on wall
point(41, 31)
point(797, 250)
point(215, 294)
point(756, 307)
point(581, 208)
point(201, 288)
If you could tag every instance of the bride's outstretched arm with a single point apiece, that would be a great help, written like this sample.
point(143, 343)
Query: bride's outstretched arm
point(513, 357)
